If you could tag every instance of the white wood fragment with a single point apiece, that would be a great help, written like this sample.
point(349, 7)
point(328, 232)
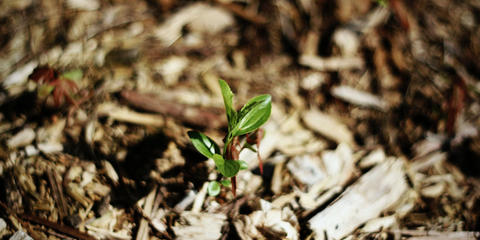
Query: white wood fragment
point(20, 235)
point(358, 97)
point(347, 41)
point(172, 68)
point(433, 142)
point(437, 235)
point(279, 220)
point(53, 133)
point(313, 81)
point(373, 158)
point(331, 63)
point(22, 138)
point(186, 201)
point(328, 126)
point(124, 114)
point(3, 225)
point(306, 169)
point(247, 182)
point(101, 233)
point(20, 76)
point(171, 30)
point(50, 147)
point(434, 191)
point(423, 163)
point(143, 229)
point(339, 164)
point(110, 171)
point(277, 179)
point(200, 226)
point(378, 224)
point(86, 5)
point(376, 191)
point(31, 150)
point(200, 198)
point(157, 220)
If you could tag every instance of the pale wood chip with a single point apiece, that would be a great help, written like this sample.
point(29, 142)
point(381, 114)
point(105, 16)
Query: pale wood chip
point(376, 191)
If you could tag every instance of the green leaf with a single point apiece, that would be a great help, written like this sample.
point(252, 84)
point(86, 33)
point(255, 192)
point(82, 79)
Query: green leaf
point(44, 90)
point(213, 188)
point(203, 144)
point(75, 75)
point(230, 168)
point(228, 100)
point(243, 164)
point(226, 183)
point(218, 159)
point(253, 115)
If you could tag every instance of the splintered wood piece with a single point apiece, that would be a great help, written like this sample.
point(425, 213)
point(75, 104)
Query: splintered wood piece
point(360, 98)
point(376, 191)
point(200, 226)
point(143, 229)
point(331, 63)
point(437, 235)
point(329, 127)
point(124, 114)
point(57, 191)
point(205, 117)
point(58, 227)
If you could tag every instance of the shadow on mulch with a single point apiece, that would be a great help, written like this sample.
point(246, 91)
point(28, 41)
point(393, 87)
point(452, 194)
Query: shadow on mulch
point(142, 158)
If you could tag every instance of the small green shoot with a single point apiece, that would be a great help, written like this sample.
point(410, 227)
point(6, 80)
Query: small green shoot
point(242, 125)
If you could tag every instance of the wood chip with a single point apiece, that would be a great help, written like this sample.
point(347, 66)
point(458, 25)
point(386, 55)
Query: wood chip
point(375, 192)
point(20, 76)
point(329, 127)
point(360, 98)
point(125, 114)
point(22, 138)
point(331, 63)
point(200, 226)
point(20, 235)
point(210, 19)
point(3, 225)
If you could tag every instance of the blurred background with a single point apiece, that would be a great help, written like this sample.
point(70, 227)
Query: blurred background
point(375, 107)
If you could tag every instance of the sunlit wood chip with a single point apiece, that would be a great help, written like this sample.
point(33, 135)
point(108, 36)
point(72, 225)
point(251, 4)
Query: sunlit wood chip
point(379, 224)
point(199, 225)
point(331, 63)
point(88, 5)
point(20, 76)
point(52, 147)
point(22, 138)
point(306, 169)
point(279, 221)
point(373, 158)
point(434, 190)
point(358, 97)
point(20, 235)
point(124, 114)
point(329, 127)
point(110, 171)
point(200, 17)
point(376, 191)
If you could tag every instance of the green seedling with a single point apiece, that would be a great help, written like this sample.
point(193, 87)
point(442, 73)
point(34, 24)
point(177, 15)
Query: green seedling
point(243, 132)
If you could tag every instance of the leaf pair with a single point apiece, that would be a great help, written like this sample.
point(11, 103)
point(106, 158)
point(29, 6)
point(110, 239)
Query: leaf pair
point(252, 115)
point(208, 148)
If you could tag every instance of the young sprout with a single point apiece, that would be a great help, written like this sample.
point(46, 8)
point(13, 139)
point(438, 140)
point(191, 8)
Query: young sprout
point(242, 124)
